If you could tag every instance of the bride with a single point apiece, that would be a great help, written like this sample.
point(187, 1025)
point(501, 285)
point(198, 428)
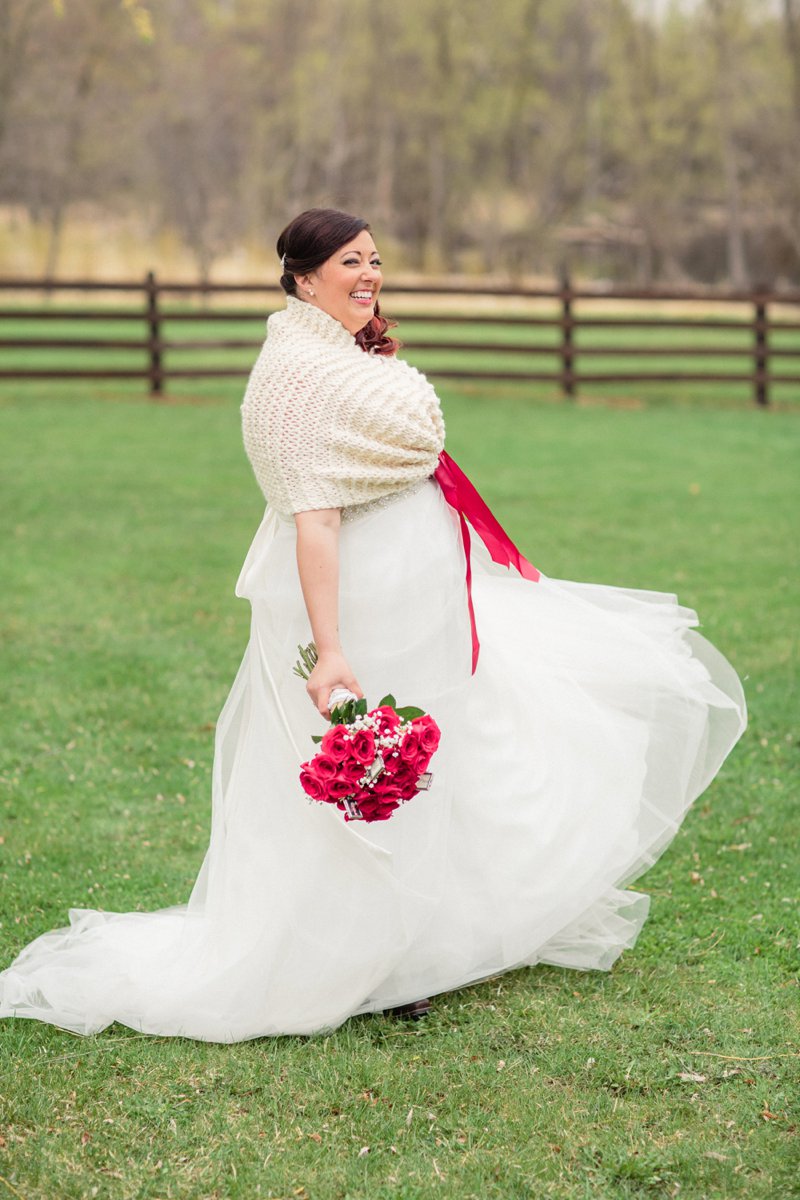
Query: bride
point(579, 721)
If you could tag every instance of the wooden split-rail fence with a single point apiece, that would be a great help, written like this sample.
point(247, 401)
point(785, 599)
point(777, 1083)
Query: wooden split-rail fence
point(559, 358)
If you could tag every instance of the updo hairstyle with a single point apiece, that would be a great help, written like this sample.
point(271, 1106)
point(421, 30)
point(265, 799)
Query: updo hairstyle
point(307, 242)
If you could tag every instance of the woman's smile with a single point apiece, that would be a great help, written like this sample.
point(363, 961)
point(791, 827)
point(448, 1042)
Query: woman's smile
point(363, 296)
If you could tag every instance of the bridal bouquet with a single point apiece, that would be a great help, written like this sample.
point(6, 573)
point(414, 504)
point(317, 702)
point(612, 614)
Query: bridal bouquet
point(371, 760)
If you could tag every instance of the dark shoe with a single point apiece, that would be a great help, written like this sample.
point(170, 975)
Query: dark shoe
point(410, 1012)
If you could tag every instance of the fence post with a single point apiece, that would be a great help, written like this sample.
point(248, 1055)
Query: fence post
point(567, 342)
point(154, 372)
point(761, 348)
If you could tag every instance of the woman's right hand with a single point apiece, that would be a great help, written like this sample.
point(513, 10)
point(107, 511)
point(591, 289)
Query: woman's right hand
point(332, 670)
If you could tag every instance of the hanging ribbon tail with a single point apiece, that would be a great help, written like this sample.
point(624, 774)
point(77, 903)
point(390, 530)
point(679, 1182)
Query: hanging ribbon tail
point(467, 502)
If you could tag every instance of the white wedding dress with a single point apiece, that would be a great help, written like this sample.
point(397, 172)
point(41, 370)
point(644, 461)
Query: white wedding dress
point(595, 717)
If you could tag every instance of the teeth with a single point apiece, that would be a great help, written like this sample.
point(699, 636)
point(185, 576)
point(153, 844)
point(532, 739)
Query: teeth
point(361, 295)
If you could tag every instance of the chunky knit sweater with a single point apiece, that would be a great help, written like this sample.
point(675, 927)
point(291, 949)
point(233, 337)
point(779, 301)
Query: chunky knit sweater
point(327, 425)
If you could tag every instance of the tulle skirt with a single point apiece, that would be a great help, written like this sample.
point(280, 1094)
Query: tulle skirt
point(595, 717)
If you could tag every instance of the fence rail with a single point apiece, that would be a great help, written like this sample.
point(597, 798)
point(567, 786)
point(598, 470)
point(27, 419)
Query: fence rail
point(573, 362)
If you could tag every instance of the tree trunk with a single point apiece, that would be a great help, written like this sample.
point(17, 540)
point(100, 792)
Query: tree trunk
point(438, 232)
point(383, 200)
point(791, 23)
point(72, 150)
point(436, 235)
point(738, 274)
point(737, 263)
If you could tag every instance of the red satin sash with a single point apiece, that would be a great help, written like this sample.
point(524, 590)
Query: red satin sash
point(465, 500)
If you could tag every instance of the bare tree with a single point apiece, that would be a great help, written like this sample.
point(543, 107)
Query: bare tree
point(725, 28)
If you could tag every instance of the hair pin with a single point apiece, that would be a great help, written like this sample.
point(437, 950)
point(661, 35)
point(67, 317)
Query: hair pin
point(283, 263)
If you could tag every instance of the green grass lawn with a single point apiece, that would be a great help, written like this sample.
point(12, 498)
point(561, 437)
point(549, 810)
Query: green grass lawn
point(675, 1075)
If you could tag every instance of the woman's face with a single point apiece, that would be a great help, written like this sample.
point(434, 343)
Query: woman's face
point(346, 286)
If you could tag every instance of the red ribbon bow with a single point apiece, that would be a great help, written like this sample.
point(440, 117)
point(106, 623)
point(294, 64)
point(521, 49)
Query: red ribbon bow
point(464, 499)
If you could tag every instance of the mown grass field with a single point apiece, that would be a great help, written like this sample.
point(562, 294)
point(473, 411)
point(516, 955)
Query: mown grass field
point(676, 1075)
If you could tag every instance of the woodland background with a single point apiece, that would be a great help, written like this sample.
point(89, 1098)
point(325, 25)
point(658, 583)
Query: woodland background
point(640, 141)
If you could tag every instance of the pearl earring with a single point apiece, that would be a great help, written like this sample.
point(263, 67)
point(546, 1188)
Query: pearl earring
point(310, 291)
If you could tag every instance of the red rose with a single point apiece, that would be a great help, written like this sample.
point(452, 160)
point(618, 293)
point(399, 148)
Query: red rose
point(391, 763)
point(352, 770)
point(429, 733)
point(376, 808)
point(337, 788)
point(405, 776)
point(312, 785)
point(336, 743)
point(383, 802)
point(421, 765)
point(386, 785)
point(410, 746)
point(324, 766)
point(387, 719)
point(362, 746)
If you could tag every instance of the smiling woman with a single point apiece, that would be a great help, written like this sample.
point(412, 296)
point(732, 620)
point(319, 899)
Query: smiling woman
point(347, 285)
point(330, 260)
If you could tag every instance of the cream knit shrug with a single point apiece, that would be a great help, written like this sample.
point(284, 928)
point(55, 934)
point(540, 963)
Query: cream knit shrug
point(327, 425)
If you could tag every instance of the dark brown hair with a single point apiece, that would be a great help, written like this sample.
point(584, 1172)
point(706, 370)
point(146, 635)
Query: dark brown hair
point(307, 242)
